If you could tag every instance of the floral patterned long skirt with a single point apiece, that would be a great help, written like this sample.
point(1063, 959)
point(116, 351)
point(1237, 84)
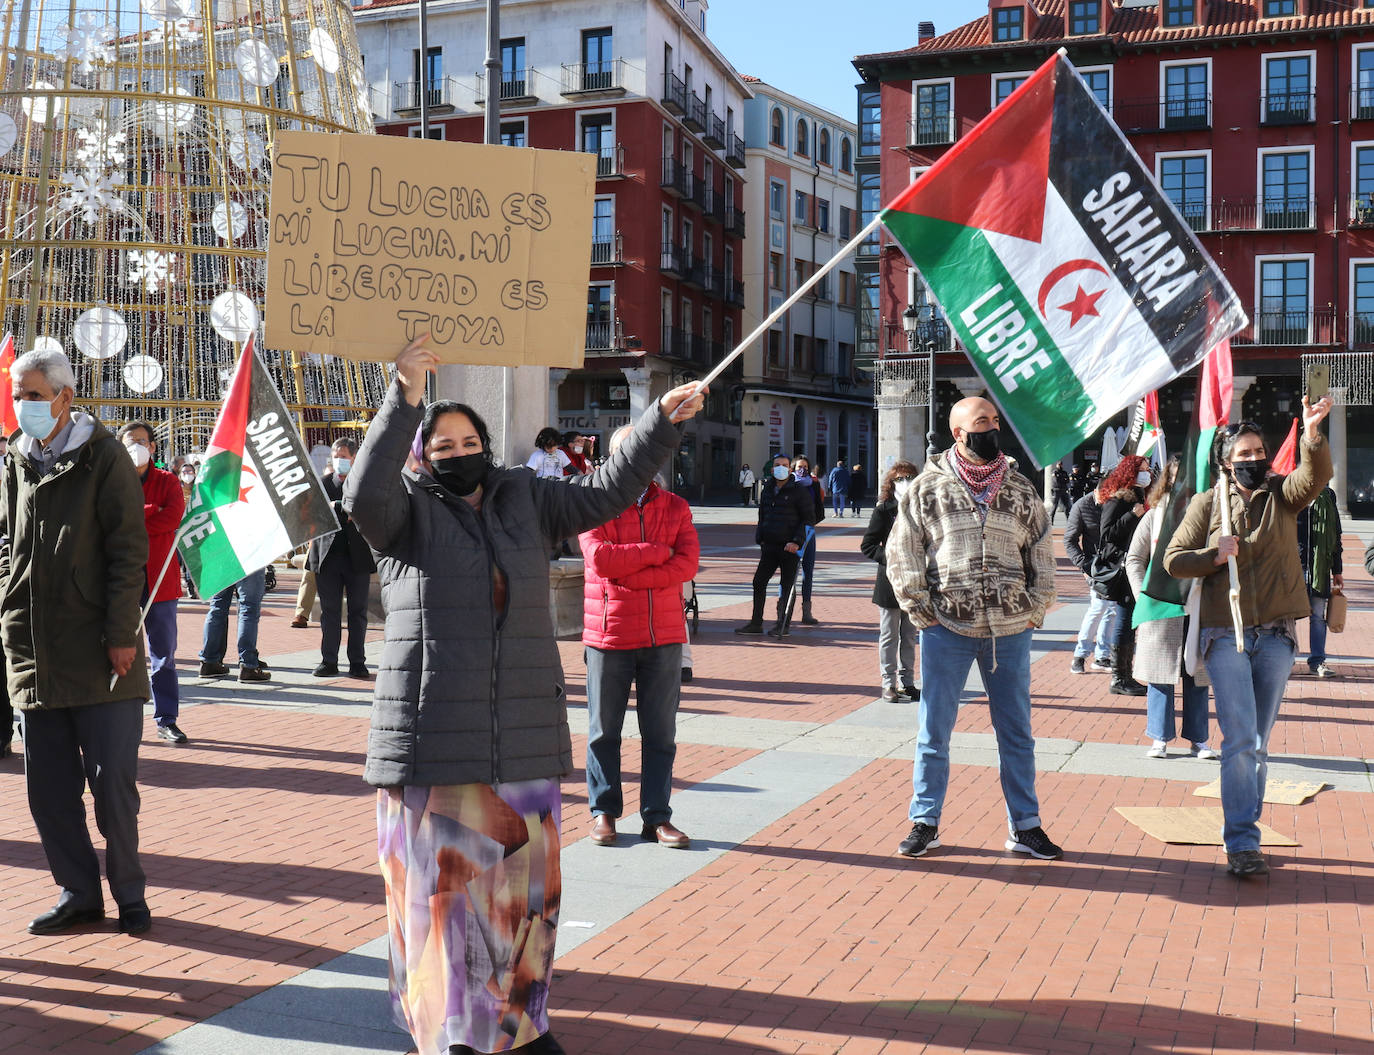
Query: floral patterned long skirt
point(472, 892)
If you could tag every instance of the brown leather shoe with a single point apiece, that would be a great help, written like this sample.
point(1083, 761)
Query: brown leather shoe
point(300, 622)
point(665, 835)
point(603, 830)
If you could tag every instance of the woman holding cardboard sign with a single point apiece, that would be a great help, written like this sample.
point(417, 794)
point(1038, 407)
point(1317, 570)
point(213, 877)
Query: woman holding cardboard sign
point(469, 729)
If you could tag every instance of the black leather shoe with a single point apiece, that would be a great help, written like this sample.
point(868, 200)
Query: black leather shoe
point(171, 733)
point(213, 670)
point(327, 670)
point(686, 675)
point(64, 917)
point(258, 673)
point(359, 670)
point(134, 919)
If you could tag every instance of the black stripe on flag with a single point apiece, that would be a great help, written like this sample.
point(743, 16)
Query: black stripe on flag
point(284, 467)
point(1135, 227)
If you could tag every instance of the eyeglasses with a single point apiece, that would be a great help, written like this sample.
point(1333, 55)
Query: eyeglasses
point(1242, 426)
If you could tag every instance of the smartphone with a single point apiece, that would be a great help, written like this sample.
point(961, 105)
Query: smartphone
point(1318, 382)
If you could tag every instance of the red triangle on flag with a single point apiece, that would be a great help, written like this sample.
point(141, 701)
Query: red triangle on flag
point(1287, 459)
point(233, 419)
point(8, 419)
point(994, 178)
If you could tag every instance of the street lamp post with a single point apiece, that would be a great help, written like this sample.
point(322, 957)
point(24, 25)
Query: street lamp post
point(911, 323)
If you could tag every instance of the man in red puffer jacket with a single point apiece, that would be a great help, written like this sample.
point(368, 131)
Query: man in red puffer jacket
point(633, 630)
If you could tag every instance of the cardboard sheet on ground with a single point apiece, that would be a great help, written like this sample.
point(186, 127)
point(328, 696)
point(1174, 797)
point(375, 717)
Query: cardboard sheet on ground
point(374, 240)
point(1190, 825)
point(1276, 792)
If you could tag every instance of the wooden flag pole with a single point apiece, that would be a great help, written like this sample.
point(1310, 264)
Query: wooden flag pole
point(1237, 621)
point(781, 309)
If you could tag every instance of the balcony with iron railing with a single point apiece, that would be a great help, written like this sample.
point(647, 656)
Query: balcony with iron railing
point(734, 292)
point(516, 87)
point(674, 93)
point(931, 335)
point(1179, 113)
point(713, 204)
point(691, 190)
point(1288, 108)
point(695, 119)
point(936, 130)
point(734, 152)
point(608, 249)
point(610, 161)
point(1288, 329)
point(603, 336)
point(677, 342)
point(1362, 103)
point(439, 98)
point(734, 221)
point(672, 260)
point(1362, 209)
point(714, 135)
point(1251, 214)
point(674, 177)
point(606, 77)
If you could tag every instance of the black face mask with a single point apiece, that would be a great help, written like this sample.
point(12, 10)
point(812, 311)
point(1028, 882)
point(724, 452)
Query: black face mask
point(1251, 475)
point(985, 445)
point(462, 474)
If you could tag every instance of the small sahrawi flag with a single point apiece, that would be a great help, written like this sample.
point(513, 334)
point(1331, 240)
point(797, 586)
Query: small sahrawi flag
point(1145, 434)
point(257, 495)
point(1074, 285)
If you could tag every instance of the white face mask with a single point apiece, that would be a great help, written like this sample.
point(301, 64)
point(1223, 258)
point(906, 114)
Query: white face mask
point(342, 465)
point(577, 448)
point(1143, 479)
point(781, 472)
point(188, 477)
point(140, 454)
point(900, 487)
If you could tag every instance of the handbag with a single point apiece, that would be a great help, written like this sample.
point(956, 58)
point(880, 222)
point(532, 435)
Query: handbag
point(1335, 612)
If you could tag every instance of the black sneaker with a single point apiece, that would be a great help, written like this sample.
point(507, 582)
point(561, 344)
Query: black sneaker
point(326, 670)
point(1035, 842)
point(171, 733)
point(780, 630)
point(923, 837)
point(751, 629)
point(686, 675)
point(1077, 666)
point(1244, 863)
point(1126, 687)
point(912, 693)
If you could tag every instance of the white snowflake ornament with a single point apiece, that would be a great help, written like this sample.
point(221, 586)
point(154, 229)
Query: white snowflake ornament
point(149, 267)
point(88, 40)
point(100, 148)
point(90, 191)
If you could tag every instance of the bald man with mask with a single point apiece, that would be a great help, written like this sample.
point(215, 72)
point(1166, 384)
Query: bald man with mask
point(970, 561)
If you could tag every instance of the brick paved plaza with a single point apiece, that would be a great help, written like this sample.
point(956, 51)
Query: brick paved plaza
point(790, 925)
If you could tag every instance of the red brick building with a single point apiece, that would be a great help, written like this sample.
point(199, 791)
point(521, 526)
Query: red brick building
point(1257, 119)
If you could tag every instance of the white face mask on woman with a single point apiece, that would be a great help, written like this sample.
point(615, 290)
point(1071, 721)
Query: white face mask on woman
point(900, 487)
point(1143, 479)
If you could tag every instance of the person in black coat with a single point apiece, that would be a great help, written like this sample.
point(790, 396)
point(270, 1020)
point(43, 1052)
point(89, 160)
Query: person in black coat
point(785, 512)
point(858, 488)
point(342, 563)
point(1122, 498)
point(896, 632)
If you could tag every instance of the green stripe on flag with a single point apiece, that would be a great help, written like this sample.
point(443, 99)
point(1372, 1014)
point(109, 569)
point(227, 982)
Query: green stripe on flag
point(1027, 374)
point(218, 482)
point(1202, 460)
point(209, 554)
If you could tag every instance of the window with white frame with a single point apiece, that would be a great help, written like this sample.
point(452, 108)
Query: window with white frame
point(603, 230)
point(777, 199)
point(933, 117)
point(1186, 88)
point(1362, 185)
point(1362, 100)
point(1283, 314)
point(1099, 82)
point(1002, 87)
point(1186, 180)
point(1362, 302)
point(1286, 189)
point(1287, 96)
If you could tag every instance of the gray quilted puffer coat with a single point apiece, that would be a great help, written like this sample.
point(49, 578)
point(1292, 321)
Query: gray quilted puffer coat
point(466, 694)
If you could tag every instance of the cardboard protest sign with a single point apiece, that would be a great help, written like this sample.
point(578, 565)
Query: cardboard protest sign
point(375, 240)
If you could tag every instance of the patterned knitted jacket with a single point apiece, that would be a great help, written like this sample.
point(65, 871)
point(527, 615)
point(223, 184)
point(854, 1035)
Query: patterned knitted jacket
point(979, 579)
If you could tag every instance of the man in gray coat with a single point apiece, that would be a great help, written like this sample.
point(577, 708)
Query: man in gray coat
point(72, 552)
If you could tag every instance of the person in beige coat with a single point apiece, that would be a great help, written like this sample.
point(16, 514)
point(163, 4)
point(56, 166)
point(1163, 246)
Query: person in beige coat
point(1158, 659)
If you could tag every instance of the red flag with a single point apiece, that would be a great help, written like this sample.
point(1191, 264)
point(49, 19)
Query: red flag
point(8, 419)
point(1287, 459)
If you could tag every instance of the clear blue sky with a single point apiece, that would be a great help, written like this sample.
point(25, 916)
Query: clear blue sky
point(805, 46)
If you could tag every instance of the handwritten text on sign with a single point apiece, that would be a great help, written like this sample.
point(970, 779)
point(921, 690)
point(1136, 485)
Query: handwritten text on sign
point(378, 239)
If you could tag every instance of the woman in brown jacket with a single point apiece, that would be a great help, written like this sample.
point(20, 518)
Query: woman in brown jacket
point(1248, 678)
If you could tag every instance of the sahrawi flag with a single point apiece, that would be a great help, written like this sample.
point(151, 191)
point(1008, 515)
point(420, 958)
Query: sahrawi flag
point(1073, 284)
point(1145, 435)
point(257, 495)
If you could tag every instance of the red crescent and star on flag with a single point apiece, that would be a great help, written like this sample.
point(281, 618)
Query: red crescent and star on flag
point(1083, 303)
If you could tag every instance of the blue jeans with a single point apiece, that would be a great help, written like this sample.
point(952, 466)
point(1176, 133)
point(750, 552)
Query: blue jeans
point(838, 500)
point(945, 661)
point(250, 590)
point(657, 676)
point(1316, 631)
point(1247, 687)
point(1159, 711)
point(1099, 620)
point(161, 628)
